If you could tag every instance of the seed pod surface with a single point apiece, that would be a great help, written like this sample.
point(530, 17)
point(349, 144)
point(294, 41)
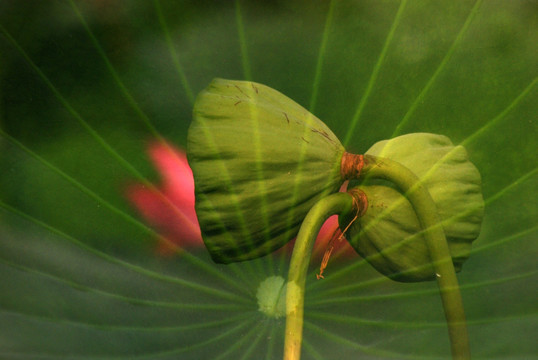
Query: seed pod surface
point(387, 234)
point(260, 161)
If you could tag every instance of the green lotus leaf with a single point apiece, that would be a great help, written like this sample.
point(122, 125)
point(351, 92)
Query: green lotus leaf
point(388, 234)
point(260, 161)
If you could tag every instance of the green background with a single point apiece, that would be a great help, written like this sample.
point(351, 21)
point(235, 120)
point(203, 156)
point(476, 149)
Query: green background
point(86, 85)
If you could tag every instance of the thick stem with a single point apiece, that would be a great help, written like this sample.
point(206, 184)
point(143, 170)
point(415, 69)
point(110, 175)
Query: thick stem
point(333, 204)
point(426, 211)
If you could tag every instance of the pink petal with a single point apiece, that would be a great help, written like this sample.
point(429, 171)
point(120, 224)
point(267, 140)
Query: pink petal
point(178, 220)
point(169, 208)
point(178, 181)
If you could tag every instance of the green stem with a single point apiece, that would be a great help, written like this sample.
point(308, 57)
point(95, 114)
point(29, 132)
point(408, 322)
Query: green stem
point(426, 211)
point(300, 258)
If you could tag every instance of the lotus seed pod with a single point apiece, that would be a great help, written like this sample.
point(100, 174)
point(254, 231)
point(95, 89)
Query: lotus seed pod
point(260, 161)
point(389, 235)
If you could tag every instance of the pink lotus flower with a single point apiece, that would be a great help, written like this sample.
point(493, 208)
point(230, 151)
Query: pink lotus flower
point(169, 207)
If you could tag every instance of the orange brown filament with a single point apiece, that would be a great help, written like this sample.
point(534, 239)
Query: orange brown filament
point(351, 166)
point(360, 204)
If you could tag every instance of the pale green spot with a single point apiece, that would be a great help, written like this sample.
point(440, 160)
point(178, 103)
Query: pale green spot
point(271, 297)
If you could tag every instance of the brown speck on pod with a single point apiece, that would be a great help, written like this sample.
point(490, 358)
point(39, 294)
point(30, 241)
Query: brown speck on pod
point(323, 133)
point(241, 91)
point(287, 118)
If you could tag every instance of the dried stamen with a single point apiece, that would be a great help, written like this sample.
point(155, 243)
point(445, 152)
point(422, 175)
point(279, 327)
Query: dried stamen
point(360, 204)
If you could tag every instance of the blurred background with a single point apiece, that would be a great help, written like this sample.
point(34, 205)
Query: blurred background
point(86, 88)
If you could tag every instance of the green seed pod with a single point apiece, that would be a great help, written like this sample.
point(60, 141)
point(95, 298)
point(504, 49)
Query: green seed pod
point(260, 161)
point(389, 235)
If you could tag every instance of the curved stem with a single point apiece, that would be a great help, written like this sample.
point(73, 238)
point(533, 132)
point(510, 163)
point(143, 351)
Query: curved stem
point(426, 211)
point(300, 258)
